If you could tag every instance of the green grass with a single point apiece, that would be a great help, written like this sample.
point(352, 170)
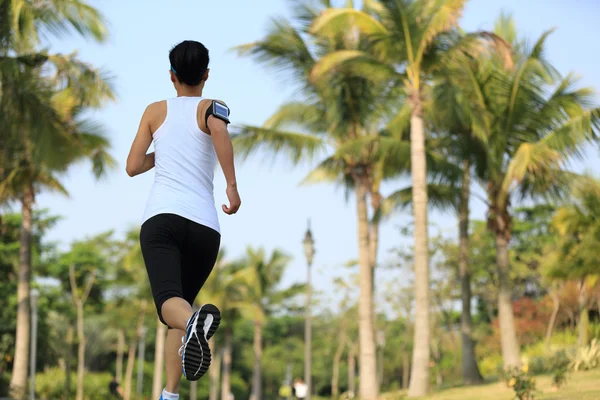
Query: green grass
point(580, 386)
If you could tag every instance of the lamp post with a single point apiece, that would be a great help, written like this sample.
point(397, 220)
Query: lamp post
point(34, 295)
point(309, 252)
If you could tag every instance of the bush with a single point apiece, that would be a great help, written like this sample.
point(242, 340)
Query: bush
point(50, 385)
point(520, 382)
point(587, 357)
point(491, 365)
point(549, 364)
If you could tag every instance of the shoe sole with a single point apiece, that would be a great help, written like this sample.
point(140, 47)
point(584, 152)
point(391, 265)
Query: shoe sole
point(197, 353)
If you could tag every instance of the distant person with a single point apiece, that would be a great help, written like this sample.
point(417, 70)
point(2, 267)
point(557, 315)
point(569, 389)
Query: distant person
point(180, 234)
point(115, 388)
point(300, 388)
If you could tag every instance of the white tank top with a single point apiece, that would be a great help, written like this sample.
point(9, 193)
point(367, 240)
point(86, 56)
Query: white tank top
point(185, 161)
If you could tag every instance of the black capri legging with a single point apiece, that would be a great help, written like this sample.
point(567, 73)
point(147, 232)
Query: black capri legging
point(179, 255)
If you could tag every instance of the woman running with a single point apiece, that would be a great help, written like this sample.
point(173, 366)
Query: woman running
point(180, 234)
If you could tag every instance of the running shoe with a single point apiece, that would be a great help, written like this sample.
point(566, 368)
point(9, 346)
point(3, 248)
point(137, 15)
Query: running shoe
point(195, 353)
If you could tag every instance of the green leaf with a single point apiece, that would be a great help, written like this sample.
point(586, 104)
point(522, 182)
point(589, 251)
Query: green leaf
point(335, 21)
point(296, 146)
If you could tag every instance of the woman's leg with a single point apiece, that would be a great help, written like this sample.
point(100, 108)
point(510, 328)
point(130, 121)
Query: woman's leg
point(176, 312)
point(173, 360)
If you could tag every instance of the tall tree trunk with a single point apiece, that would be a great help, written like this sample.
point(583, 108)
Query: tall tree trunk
point(583, 325)
point(68, 359)
point(419, 381)
point(374, 234)
point(194, 390)
point(80, 351)
point(405, 369)
point(367, 356)
point(120, 354)
point(226, 379)
point(131, 354)
point(159, 359)
point(335, 376)
point(18, 382)
point(257, 371)
point(214, 372)
point(508, 334)
point(79, 300)
point(437, 354)
point(352, 369)
point(129, 370)
point(555, 294)
point(470, 369)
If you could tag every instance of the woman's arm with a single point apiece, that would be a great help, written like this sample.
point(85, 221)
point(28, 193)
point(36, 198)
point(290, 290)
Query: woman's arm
point(224, 150)
point(138, 161)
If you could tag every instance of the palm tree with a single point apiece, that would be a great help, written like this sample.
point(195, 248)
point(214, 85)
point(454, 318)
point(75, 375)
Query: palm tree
point(573, 259)
point(27, 22)
point(406, 33)
point(530, 122)
point(49, 146)
point(343, 112)
point(262, 275)
point(34, 107)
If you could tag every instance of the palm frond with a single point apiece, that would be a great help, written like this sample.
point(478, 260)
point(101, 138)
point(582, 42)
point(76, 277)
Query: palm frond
point(441, 20)
point(296, 146)
point(330, 170)
point(307, 116)
point(49, 182)
point(353, 63)
point(335, 21)
point(441, 197)
point(283, 48)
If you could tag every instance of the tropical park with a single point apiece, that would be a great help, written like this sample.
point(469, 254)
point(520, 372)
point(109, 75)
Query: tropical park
point(420, 185)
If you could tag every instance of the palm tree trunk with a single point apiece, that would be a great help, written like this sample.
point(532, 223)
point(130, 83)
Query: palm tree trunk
point(79, 300)
point(129, 369)
point(18, 381)
point(352, 370)
point(226, 379)
point(120, 354)
point(214, 372)
point(470, 369)
point(131, 354)
point(367, 356)
point(68, 361)
point(405, 369)
point(374, 234)
point(335, 376)
point(556, 307)
point(419, 381)
point(257, 372)
point(194, 390)
point(437, 356)
point(583, 324)
point(508, 335)
point(159, 359)
point(80, 351)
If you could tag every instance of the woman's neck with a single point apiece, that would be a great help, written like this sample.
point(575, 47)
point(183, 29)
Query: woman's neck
point(190, 91)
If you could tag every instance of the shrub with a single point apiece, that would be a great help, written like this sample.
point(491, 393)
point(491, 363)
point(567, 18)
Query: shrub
point(519, 380)
point(50, 385)
point(559, 377)
point(587, 357)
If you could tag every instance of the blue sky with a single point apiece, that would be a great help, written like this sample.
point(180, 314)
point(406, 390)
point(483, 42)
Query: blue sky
point(275, 209)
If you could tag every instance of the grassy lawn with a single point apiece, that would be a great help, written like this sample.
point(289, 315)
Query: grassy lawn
point(580, 386)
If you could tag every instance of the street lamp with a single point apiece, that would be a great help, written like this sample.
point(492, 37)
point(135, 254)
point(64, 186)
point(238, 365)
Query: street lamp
point(34, 296)
point(309, 252)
